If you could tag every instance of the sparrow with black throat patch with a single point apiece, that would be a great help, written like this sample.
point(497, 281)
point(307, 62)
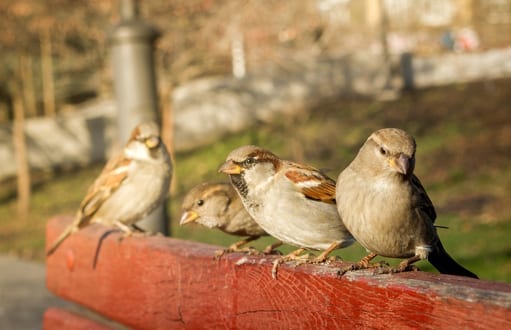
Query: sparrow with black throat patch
point(292, 202)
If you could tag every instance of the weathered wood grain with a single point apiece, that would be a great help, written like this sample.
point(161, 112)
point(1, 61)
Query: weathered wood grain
point(160, 283)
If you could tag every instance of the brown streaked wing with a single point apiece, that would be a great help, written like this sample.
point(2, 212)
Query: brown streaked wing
point(324, 191)
point(108, 181)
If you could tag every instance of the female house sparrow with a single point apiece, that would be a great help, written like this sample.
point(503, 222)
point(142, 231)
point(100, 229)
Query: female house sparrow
point(131, 185)
point(293, 203)
point(218, 205)
point(384, 205)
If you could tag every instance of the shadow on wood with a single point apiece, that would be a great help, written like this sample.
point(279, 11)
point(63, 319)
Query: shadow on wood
point(158, 282)
point(56, 318)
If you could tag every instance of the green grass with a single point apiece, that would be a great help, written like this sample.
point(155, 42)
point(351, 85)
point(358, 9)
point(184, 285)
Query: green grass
point(466, 173)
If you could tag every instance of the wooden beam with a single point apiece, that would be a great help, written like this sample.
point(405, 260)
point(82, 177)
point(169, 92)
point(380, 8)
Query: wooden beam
point(158, 282)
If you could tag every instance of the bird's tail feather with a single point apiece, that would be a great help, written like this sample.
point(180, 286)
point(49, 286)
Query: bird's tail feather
point(65, 234)
point(445, 264)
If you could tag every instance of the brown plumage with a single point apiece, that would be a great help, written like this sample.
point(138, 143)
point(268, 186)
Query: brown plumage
point(292, 202)
point(386, 208)
point(217, 205)
point(131, 185)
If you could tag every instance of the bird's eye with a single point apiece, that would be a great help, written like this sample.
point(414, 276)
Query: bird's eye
point(383, 151)
point(200, 202)
point(248, 162)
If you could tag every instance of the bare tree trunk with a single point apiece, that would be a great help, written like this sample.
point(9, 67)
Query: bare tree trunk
point(27, 79)
point(384, 29)
point(21, 158)
point(239, 69)
point(167, 120)
point(47, 72)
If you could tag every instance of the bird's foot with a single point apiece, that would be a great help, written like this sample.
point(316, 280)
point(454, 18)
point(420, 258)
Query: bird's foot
point(344, 270)
point(127, 230)
point(357, 266)
point(325, 259)
point(251, 251)
point(364, 264)
point(293, 256)
point(270, 249)
point(307, 259)
point(237, 247)
point(231, 249)
point(272, 252)
point(313, 260)
point(126, 234)
point(402, 267)
point(405, 266)
point(303, 259)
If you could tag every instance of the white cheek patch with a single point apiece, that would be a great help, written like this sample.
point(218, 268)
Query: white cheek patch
point(137, 151)
point(259, 176)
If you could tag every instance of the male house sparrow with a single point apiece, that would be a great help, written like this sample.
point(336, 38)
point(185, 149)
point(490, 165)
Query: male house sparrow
point(218, 205)
point(131, 185)
point(292, 202)
point(384, 205)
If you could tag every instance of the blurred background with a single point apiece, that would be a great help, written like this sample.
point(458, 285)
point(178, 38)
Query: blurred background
point(309, 80)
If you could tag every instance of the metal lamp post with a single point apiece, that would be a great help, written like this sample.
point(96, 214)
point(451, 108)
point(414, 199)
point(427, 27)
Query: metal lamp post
point(132, 52)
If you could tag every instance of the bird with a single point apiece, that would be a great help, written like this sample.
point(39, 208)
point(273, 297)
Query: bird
point(386, 208)
point(292, 202)
point(217, 205)
point(132, 184)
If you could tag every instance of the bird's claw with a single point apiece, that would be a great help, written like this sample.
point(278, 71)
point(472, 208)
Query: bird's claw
point(124, 235)
point(137, 234)
point(350, 268)
point(270, 251)
point(403, 267)
point(276, 263)
point(275, 267)
point(249, 250)
point(220, 253)
point(252, 251)
point(380, 267)
point(299, 260)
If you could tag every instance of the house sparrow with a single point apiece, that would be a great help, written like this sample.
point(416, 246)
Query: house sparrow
point(218, 205)
point(292, 202)
point(131, 185)
point(384, 205)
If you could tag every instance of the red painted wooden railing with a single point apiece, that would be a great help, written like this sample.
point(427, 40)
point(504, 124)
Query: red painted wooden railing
point(164, 283)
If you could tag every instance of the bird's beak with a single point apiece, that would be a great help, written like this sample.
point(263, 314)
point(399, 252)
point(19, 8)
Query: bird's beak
point(152, 142)
point(230, 167)
point(401, 164)
point(187, 217)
